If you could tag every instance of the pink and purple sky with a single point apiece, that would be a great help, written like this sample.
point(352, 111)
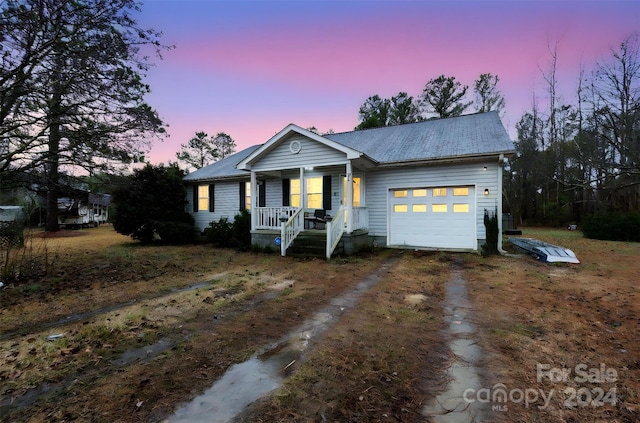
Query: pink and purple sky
point(249, 68)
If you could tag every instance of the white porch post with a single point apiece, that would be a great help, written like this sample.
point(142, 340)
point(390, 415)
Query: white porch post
point(303, 189)
point(254, 201)
point(349, 197)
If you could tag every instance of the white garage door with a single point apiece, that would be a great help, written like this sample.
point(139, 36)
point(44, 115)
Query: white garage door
point(438, 217)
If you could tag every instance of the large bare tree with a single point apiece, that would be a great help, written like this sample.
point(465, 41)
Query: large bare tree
point(72, 88)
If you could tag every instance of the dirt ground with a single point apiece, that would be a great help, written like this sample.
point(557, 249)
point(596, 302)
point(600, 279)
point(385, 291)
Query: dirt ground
point(99, 328)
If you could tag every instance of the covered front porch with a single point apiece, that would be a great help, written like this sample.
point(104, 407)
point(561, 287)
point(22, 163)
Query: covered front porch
point(300, 181)
point(283, 225)
point(323, 200)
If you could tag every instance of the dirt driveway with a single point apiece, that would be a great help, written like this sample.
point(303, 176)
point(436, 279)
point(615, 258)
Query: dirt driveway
point(118, 332)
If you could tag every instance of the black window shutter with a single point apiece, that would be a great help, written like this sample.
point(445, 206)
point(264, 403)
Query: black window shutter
point(326, 192)
point(262, 194)
point(195, 198)
point(243, 195)
point(286, 191)
point(212, 198)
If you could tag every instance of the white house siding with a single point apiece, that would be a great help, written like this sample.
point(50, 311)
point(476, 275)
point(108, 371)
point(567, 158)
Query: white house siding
point(378, 183)
point(312, 153)
point(273, 193)
point(227, 203)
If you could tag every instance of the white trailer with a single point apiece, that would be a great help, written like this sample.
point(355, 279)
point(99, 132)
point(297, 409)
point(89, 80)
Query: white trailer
point(92, 210)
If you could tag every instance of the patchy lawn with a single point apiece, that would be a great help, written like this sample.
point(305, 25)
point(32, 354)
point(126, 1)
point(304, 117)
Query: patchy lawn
point(570, 333)
point(137, 330)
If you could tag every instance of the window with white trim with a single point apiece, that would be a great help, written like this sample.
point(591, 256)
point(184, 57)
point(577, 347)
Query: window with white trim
point(203, 197)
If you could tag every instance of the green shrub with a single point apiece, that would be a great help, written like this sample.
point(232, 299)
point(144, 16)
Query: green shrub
point(219, 233)
point(613, 227)
point(491, 228)
point(176, 232)
point(236, 234)
point(149, 206)
point(241, 231)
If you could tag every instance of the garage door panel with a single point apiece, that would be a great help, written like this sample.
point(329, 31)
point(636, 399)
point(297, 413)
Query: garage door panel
point(438, 217)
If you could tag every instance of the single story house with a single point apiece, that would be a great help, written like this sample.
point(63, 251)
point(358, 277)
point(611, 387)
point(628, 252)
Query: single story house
point(422, 185)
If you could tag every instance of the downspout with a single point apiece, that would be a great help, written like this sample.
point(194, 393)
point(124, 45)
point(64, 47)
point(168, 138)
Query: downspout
point(499, 209)
point(349, 193)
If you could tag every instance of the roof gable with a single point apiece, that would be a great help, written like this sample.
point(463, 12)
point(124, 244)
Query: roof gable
point(286, 134)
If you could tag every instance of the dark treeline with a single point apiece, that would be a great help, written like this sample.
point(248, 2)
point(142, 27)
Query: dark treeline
point(573, 159)
point(581, 158)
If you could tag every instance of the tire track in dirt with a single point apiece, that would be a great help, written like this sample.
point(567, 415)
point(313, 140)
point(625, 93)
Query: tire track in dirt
point(453, 405)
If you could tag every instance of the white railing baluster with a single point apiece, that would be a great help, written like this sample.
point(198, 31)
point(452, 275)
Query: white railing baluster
point(269, 217)
point(335, 229)
point(290, 230)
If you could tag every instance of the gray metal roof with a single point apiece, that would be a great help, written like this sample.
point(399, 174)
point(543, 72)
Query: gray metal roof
point(225, 168)
point(462, 136)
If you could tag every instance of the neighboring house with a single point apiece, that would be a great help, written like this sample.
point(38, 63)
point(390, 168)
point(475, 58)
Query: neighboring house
point(421, 185)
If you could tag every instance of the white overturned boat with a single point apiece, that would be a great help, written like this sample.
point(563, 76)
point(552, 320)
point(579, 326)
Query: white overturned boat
point(544, 251)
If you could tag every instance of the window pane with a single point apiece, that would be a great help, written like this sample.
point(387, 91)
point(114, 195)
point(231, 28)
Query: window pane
point(400, 194)
point(400, 208)
point(314, 201)
point(357, 184)
point(357, 194)
point(247, 199)
point(203, 197)
point(460, 191)
point(461, 208)
point(419, 208)
point(439, 192)
point(419, 193)
point(314, 193)
point(439, 208)
point(295, 200)
point(294, 192)
point(314, 185)
point(295, 186)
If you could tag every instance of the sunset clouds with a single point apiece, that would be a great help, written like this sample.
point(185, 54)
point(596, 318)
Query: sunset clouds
point(249, 68)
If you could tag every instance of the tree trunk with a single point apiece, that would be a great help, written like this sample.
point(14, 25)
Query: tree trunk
point(52, 177)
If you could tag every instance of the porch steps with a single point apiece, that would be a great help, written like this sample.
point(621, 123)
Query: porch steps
point(311, 244)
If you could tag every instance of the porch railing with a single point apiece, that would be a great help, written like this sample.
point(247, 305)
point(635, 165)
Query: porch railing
point(360, 218)
point(269, 217)
point(335, 229)
point(290, 230)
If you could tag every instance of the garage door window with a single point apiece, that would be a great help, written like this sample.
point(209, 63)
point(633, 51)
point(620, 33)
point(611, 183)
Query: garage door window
point(419, 208)
point(439, 192)
point(439, 208)
point(419, 193)
point(461, 208)
point(458, 192)
point(400, 208)
point(400, 194)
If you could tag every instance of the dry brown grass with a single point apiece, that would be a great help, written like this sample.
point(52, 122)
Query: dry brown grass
point(381, 362)
point(372, 366)
point(561, 315)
